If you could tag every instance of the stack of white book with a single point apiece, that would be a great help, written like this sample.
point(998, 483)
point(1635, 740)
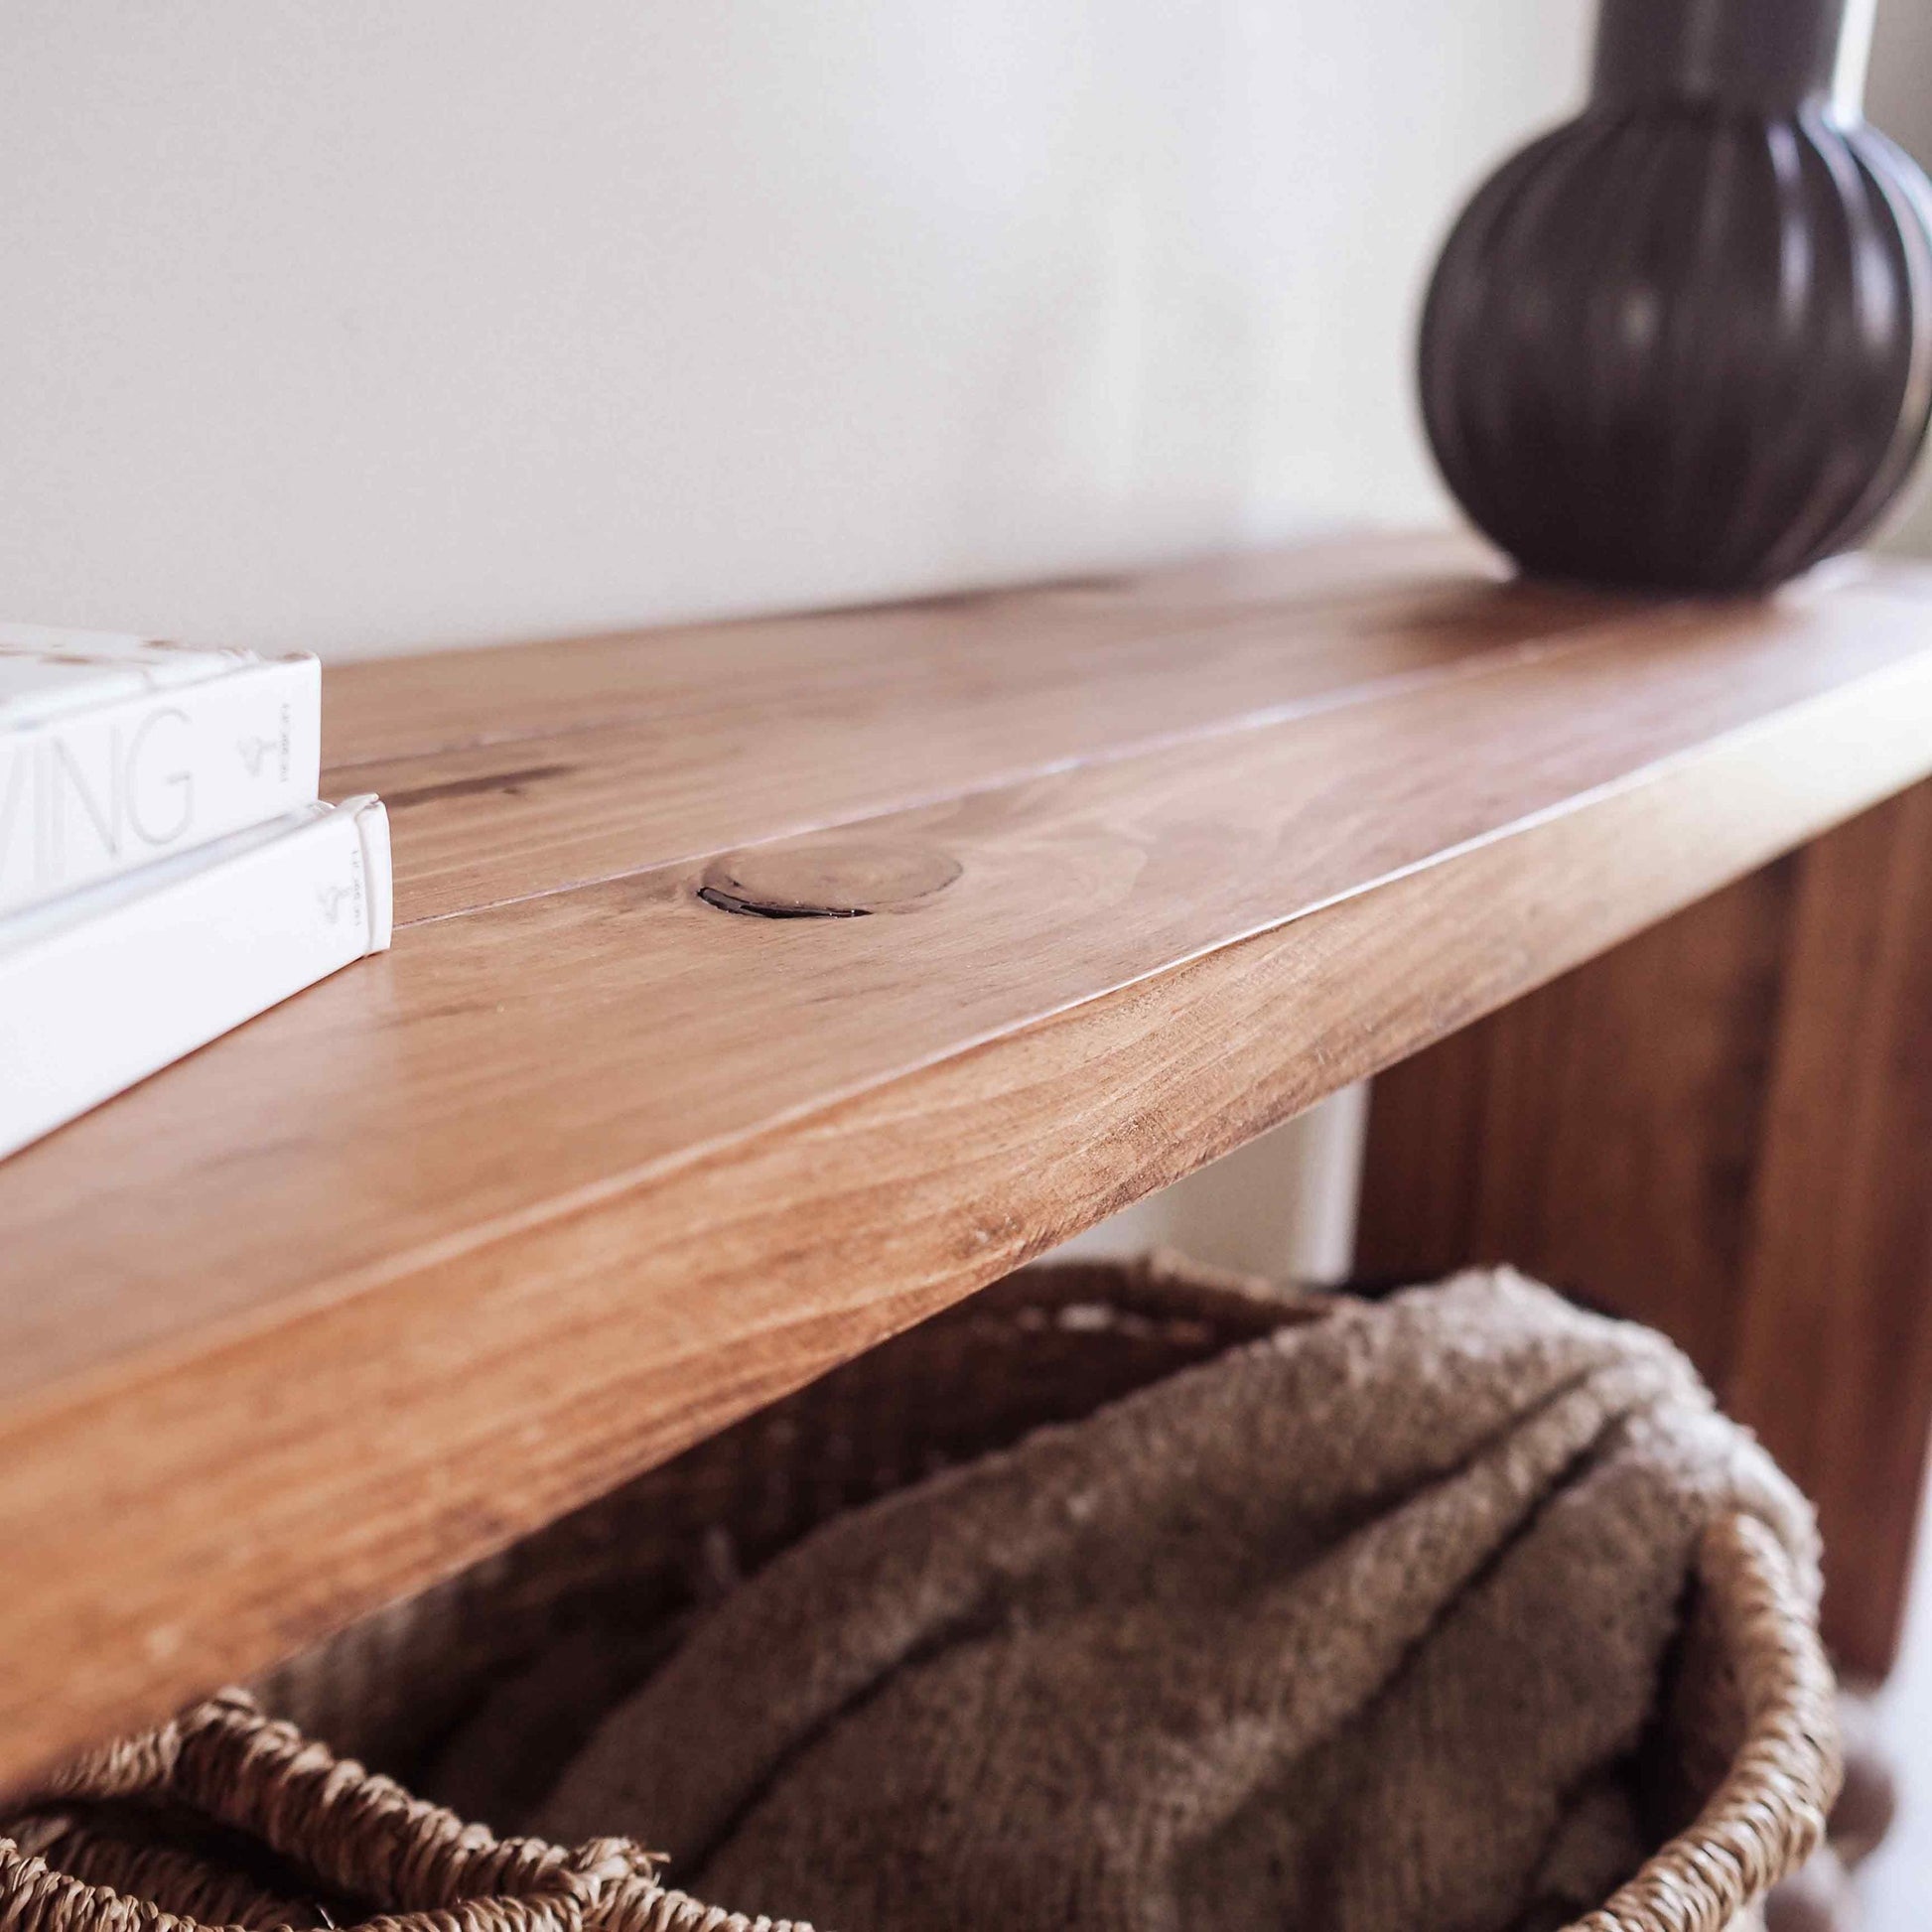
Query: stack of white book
point(166, 871)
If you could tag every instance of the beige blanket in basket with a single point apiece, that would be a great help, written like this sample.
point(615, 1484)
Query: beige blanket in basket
point(1352, 1630)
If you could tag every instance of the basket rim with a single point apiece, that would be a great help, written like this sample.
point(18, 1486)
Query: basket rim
point(1767, 1816)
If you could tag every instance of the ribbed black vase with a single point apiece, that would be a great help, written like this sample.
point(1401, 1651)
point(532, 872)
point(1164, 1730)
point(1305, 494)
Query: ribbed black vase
point(1686, 340)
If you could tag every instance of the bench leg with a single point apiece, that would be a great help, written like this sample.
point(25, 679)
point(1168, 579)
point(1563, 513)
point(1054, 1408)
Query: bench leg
point(1723, 1128)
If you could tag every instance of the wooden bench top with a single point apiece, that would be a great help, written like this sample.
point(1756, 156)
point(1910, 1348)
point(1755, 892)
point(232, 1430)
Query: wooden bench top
point(592, 1163)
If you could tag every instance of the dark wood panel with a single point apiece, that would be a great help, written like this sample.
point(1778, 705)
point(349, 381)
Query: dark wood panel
point(1724, 1128)
point(1601, 1133)
point(1833, 1357)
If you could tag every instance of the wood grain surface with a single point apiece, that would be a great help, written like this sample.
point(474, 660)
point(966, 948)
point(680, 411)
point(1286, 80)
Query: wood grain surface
point(608, 757)
point(589, 1165)
point(1724, 1128)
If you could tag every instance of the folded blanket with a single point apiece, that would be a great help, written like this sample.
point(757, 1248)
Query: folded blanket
point(1354, 1629)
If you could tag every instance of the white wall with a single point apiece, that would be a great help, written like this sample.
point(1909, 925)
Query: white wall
point(376, 322)
point(1898, 98)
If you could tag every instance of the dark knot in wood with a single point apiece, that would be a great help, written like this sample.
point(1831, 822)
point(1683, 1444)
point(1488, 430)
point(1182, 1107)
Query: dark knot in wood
point(823, 877)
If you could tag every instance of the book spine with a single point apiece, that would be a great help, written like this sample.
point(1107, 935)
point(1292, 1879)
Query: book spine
point(94, 793)
point(91, 1005)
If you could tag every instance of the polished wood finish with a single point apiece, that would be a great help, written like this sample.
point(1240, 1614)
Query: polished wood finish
point(516, 772)
point(1834, 1337)
point(591, 1165)
point(1724, 1128)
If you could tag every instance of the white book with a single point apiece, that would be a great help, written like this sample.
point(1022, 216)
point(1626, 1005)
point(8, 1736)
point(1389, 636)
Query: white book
point(116, 751)
point(102, 988)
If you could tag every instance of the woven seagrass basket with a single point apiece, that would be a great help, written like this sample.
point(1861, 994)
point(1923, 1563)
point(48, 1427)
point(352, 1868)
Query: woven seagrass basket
point(233, 1817)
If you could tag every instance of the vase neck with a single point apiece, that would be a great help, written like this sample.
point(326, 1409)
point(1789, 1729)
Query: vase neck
point(1774, 55)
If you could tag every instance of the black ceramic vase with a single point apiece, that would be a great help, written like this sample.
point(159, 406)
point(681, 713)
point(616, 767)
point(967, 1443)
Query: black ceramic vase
point(1686, 340)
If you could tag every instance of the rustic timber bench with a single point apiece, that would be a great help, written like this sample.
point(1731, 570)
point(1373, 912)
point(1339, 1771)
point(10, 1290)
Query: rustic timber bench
point(762, 987)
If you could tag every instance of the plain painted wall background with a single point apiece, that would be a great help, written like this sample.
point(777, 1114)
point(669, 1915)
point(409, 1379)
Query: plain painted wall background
point(384, 323)
point(1898, 98)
